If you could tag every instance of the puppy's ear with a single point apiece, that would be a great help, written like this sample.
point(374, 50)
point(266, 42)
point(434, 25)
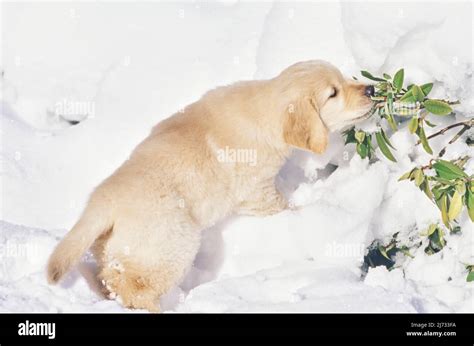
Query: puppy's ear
point(303, 127)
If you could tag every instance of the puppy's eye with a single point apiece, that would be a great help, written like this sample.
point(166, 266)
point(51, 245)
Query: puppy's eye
point(333, 93)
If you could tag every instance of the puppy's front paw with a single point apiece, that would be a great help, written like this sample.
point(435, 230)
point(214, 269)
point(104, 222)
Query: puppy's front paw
point(269, 202)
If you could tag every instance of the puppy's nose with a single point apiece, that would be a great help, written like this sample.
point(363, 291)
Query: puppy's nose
point(369, 90)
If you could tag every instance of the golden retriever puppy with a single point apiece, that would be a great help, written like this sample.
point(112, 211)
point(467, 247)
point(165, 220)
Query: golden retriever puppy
point(217, 157)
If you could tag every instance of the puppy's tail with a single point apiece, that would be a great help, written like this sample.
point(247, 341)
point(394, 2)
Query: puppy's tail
point(94, 222)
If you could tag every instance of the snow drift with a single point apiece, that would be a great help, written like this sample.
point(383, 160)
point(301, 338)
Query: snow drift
point(149, 60)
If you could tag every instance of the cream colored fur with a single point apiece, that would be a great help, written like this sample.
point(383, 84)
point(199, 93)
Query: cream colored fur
point(144, 222)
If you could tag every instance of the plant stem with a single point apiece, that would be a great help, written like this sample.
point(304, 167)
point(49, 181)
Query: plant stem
point(452, 102)
point(467, 124)
point(454, 139)
point(428, 166)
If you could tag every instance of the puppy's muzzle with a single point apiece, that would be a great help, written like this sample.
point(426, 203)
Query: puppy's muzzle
point(369, 91)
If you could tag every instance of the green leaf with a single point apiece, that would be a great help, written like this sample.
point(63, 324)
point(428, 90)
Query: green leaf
point(448, 170)
point(444, 210)
point(398, 79)
point(437, 196)
point(390, 102)
point(443, 181)
point(368, 75)
point(437, 241)
point(387, 140)
point(417, 93)
point(470, 204)
point(424, 140)
point(413, 125)
point(437, 107)
point(419, 177)
point(440, 235)
point(360, 136)
point(470, 276)
point(390, 119)
point(387, 76)
point(433, 227)
point(461, 187)
point(408, 98)
point(350, 136)
point(362, 150)
point(384, 252)
point(392, 123)
point(383, 147)
point(455, 206)
point(406, 175)
point(430, 124)
point(426, 189)
point(408, 94)
point(426, 88)
point(368, 141)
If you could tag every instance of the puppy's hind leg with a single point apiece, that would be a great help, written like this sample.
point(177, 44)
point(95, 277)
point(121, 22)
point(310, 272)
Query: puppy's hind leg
point(150, 268)
point(135, 286)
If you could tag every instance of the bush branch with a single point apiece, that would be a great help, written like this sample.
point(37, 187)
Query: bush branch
point(467, 124)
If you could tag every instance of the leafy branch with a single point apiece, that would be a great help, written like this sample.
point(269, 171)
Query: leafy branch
point(466, 125)
point(450, 188)
point(444, 182)
point(392, 99)
point(470, 273)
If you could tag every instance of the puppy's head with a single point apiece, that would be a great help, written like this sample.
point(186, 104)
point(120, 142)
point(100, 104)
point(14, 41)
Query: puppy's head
point(321, 100)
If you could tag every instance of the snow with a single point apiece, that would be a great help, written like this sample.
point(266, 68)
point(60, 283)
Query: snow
point(151, 59)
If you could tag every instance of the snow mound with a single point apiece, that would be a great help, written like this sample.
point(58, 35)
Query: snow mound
point(23, 288)
point(79, 96)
